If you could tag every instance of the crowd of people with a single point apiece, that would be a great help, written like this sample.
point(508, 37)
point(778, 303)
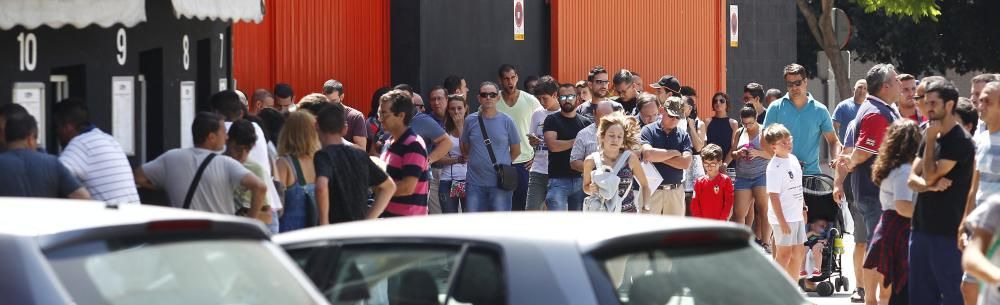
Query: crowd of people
point(901, 150)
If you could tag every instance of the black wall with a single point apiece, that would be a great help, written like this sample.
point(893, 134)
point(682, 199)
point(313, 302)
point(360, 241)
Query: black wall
point(432, 39)
point(767, 42)
point(88, 56)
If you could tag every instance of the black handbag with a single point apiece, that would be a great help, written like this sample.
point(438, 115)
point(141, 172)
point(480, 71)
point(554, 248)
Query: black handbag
point(506, 174)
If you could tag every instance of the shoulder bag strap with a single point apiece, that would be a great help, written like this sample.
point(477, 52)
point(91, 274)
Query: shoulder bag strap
point(300, 178)
point(486, 139)
point(196, 180)
point(622, 160)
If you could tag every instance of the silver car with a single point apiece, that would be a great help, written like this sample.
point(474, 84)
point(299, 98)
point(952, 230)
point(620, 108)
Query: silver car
point(541, 258)
point(89, 253)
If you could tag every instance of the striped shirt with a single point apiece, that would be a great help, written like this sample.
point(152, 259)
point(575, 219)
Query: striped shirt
point(988, 164)
point(407, 157)
point(96, 159)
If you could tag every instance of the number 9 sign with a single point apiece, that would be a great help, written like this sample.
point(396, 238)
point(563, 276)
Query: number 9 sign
point(121, 42)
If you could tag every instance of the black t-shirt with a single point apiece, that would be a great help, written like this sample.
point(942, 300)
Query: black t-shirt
point(940, 213)
point(351, 173)
point(566, 129)
point(629, 105)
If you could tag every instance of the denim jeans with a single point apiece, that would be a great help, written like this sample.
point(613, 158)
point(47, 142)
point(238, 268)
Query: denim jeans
point(935, 270)
point(273, 227)
point(487, 198)
point(565, 194)
point(538, 185)
point(450, 204)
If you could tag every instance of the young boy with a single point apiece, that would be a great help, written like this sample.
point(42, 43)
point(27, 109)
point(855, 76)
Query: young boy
point(713, 193)
point(784, 187)
point(242, 138)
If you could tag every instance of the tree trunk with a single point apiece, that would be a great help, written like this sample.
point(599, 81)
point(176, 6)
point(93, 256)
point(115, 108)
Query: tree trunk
point(822, 30)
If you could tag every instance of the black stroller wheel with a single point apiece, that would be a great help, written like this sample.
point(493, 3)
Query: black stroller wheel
point(824, 289)
point(839, 282)
point(846, 283)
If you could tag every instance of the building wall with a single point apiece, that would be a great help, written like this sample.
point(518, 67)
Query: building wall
point(304, 43)
point(89, 57)
point(470, 38)
point(767, 43)
point(682, 38)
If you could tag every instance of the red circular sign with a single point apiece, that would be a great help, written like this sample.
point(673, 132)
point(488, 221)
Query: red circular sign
point(518, 14)
point(733, 22)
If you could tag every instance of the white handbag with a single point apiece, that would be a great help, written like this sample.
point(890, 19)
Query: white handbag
point(607, 199)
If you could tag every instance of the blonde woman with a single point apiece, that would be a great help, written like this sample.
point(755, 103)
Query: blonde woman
point(618, 137)
point(297, 143)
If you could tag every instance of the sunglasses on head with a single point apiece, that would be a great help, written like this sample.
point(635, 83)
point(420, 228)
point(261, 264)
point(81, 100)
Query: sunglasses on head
point(794, 83)
point(489, 95)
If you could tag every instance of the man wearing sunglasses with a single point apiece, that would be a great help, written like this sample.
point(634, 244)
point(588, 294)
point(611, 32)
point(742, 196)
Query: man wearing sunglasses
point(806, 118)
point(598, 82)
point(624, 82)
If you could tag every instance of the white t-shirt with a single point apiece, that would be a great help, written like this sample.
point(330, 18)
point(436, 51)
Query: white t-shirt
point(784, 177)
point(894, 188)
point(986, 216)
point(455, 171)
point(541, 162)
point(988, 164)
point(96, 159)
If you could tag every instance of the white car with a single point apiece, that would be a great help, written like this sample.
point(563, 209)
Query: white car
point(89, 253)
point(544, 258)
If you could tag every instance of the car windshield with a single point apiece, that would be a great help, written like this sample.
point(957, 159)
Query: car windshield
point(720, 275)
point(182, 272)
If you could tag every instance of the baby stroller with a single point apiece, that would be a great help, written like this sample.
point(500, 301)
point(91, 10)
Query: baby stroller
point(818, 194)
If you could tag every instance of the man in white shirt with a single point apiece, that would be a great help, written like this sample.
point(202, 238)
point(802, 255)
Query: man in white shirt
point(92, 156)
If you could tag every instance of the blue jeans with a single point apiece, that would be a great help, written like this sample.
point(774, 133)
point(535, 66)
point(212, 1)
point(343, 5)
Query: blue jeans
point(935, 269)
point(565, 194)
point(274, 222)
point(449, 204)
point(487, 198)
point(520, 197)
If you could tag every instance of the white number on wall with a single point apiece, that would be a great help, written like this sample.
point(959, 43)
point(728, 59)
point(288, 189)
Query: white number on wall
point(121, 41)
point(222, 49)
point(29, 51)
point(186, 46)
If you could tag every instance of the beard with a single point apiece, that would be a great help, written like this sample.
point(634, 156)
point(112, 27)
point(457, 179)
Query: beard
point(567, 107)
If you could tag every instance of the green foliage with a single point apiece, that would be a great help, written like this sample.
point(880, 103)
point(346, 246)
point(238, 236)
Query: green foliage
point(916, 9)
point(961, 38)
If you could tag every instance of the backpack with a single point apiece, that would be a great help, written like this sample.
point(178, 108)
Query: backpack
point(608, 198)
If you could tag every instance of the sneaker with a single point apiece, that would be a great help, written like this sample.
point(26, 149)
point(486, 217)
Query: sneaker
point(858, 296)
point(767, 248)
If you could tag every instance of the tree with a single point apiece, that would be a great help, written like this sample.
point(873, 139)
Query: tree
point(956, 39)
point(821, 28)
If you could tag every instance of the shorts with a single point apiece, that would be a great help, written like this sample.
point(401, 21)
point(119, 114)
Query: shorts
point(796, 238)
point(746, 184)
point(860, 231)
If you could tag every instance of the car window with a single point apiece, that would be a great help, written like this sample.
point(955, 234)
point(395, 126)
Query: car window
point(718, 275)
point(180, 272)
point(407, 274)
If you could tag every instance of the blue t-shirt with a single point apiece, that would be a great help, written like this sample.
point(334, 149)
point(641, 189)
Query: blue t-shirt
point(426, 127)
point(502, 134)
point(844, 113)
point(677, 139)
point(807, 126)
point(28, 173)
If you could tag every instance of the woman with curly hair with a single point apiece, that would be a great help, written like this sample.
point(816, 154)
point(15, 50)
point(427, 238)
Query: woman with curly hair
point(617, 137)
point(888, 254)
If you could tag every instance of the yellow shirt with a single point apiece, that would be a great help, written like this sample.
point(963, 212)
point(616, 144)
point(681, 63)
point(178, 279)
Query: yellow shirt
point(521, 114)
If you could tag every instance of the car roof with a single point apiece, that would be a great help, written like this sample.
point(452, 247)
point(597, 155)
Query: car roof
point(37, 216)
point(587, 230)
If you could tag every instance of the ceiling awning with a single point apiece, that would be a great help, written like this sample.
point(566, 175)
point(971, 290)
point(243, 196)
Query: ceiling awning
point(227, 10)
point(78, 13)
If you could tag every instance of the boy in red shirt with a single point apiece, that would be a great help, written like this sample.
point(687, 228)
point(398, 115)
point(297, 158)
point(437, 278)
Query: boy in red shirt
point(713, 193)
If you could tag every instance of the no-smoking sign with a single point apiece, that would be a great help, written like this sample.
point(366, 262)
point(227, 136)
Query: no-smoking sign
point(518, 19)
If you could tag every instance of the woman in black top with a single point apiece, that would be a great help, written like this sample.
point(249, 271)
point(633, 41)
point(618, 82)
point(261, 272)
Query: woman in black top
point(721, 127)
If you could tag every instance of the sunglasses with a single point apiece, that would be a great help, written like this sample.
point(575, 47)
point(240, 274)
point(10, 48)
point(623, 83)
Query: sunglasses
point(601, 81)
point(489, 95)
point(419, 105)
point(567, 97)
point(794, 83)
point(720, 101)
